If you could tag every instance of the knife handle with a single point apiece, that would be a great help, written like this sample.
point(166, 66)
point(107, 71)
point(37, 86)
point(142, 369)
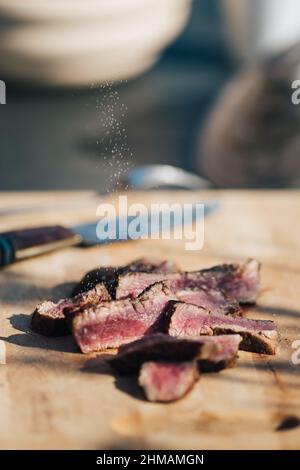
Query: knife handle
point(20, 244)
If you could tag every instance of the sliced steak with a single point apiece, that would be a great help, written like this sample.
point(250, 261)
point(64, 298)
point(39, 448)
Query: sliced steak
point(211, 353)
point(105, 275)
point(190, 321)
point(90, 298)
point(132, 284)
point(109, 275)
point(225, 355)
point(166, 381)
point(241, 282)
point(49, 319)
point(111, 324)
point(211, 299)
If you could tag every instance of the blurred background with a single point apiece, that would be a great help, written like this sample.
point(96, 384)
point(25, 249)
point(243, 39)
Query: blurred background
point(96, 88)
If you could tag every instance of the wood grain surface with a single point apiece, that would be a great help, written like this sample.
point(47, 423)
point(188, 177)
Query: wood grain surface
point(51, 396)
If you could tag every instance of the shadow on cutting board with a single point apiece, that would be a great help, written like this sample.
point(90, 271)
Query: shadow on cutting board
point(34, 340)
point(130, 386)
point(21, 321)
point(126, 384)
point(283, 312)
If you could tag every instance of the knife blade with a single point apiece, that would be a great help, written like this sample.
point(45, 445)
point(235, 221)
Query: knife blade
point(25, 243)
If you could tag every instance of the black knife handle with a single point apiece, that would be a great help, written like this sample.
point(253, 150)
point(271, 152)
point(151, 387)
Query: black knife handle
point(21, 244)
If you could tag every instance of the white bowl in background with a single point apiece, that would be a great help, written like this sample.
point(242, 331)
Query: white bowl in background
point(71, 42)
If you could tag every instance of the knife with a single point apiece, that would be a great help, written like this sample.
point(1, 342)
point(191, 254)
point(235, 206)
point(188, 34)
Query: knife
point(20, 244)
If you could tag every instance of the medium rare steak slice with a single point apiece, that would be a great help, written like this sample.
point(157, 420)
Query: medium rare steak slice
point(190, 321)
point(49, 319)
point(226, 354)
point(211, 299)
point(211, 353)
point(111, 324)
point(132, 284)
point(90, 298)
point(166, 381)
point(241, 282)
point(109, 275)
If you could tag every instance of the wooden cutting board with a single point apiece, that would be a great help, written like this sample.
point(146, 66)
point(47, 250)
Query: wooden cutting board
point(51, 396)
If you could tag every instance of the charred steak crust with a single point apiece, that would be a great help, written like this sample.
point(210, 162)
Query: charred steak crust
point(109, 275)
point(49, 318)
point(211, 353)
point(166, 381)
point(105, 276)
